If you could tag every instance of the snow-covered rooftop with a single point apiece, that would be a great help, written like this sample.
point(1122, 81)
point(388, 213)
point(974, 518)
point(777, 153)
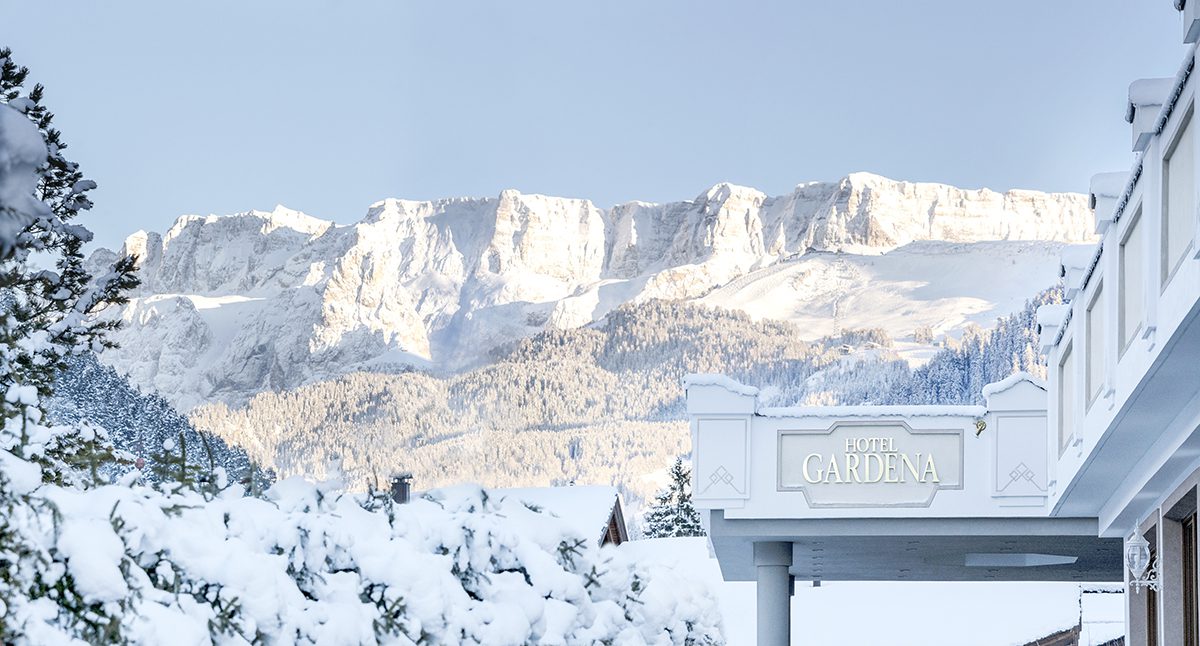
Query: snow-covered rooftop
point(1147, 93)
point(874, 411)
point(997, 387)
point(1078, 257)
point(721, 381)
point(586, 509)
point(1108, 185)
point(1052, 315)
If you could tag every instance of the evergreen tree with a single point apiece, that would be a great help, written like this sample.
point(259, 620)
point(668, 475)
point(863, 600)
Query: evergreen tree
point(673, 513)
point(139, 423)
point(46, 316)
point(49, 315)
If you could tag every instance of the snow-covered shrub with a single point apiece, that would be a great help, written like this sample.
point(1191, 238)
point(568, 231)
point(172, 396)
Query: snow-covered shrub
point(131, 563)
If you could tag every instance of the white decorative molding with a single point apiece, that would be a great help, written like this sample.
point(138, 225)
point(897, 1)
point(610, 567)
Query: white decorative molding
point(1021, 465)
point(722, 450)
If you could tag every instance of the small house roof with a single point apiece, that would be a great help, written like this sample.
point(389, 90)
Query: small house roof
point(586, 509)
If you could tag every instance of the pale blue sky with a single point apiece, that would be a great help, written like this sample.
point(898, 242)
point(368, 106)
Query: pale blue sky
point(327, 106)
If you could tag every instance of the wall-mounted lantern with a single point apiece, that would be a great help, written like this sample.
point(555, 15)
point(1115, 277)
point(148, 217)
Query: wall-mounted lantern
point(1142, 573)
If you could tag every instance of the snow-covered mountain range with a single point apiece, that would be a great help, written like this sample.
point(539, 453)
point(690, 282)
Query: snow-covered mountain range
point(234, 305)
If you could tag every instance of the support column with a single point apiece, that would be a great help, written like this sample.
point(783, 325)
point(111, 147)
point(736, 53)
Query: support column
point(774, 586)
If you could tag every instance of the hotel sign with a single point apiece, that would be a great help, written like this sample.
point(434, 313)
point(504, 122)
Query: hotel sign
point(870, 464)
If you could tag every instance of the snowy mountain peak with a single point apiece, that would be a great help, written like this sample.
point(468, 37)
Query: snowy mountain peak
point(259, 300)
point(863, 178)
point(726, 192)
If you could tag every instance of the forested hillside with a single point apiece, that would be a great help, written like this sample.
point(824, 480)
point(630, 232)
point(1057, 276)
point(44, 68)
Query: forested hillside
point(599, 404)
point(138, 423)
point(958, 373)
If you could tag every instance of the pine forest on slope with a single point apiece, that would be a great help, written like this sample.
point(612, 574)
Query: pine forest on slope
point(598, 404)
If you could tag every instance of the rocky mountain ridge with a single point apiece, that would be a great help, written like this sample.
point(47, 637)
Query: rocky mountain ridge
point(239, 304)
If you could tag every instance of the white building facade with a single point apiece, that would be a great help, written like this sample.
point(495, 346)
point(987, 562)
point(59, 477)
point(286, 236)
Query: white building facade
point(1124, 359)
point(1054, 481)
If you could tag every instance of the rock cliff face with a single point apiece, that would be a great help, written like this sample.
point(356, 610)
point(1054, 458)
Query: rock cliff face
point(234, 305)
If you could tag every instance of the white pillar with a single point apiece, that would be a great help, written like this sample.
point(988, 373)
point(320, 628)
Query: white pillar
point(772, 561)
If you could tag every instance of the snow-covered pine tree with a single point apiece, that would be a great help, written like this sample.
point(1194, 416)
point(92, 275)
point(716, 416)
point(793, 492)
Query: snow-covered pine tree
point(673, 513)
point(50, 310)
point(138, 423)
point(44, 318)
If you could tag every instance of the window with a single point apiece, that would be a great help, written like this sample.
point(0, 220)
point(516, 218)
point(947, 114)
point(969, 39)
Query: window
point(1095, 345)
point(1133, 282)
point(1179, 200)
point(1191, 631)
point(1066, 399)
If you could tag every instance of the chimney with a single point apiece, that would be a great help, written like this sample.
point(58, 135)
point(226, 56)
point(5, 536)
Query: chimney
point(401, 487)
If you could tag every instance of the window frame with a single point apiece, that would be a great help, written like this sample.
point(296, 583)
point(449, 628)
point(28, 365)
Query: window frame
point(1094, 302)
point(1065, 398)
point(1168, 268)
point(1125, 341)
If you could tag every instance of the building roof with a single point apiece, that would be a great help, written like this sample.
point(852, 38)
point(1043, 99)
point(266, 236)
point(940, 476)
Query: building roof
point(720, 381)
point(586, 509)
point(1015, 378)
point(931, 410)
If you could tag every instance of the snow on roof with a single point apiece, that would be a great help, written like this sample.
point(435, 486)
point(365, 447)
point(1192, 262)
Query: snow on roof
point(1052, 315)
point(1015, 378)
point(1076, 257)
point(1147, 93)
point(722, 381)
point(586, 509)
point(1054, 318)
point(1108, 184)
point(874, 411)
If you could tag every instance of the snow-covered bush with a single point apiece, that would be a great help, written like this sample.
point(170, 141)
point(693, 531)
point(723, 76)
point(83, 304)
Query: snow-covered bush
point(131, 563)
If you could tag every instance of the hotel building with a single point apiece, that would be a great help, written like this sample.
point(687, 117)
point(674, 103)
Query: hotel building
point(1089, 476)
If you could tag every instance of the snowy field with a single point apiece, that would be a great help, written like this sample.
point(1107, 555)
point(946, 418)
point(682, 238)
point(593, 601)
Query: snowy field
point(939, 285)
